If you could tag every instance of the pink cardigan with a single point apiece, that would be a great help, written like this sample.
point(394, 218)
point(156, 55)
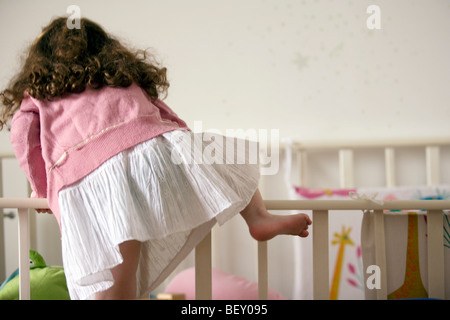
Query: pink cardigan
point(59, 142)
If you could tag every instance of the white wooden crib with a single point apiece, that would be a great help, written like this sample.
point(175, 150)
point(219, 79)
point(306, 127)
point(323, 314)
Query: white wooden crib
point(320, 214)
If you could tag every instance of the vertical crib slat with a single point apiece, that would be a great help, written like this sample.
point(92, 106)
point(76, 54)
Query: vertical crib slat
point(203, 269)
point(380, 252)
point(24, 255)
point(435, 248)
point(263, 271)
point(321, 276)
point(389, 157)
point(433, 165)
point(346, 169)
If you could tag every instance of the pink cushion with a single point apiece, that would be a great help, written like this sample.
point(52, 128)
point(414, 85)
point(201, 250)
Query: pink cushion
point(225, 286)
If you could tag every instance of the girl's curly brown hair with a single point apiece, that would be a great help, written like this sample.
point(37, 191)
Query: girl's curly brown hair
point(63, 61)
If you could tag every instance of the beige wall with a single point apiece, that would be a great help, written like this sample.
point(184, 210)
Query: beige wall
point(310, 68)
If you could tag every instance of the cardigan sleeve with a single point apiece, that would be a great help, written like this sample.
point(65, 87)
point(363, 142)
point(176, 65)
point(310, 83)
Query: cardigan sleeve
point(25, 139)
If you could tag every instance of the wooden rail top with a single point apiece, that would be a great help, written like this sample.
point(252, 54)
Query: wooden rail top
point(40, 203)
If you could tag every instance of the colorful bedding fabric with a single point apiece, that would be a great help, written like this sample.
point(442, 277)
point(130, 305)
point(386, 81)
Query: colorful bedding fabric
point(352, 244)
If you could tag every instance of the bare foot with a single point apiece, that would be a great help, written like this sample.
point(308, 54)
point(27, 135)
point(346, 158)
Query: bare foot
point(264, 226)
point(269, 226)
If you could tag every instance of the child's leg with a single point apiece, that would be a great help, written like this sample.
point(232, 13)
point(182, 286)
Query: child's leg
point(264, 226)
point(124, 274)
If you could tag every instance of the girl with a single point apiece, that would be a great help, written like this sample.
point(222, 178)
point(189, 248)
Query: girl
point(93, 136)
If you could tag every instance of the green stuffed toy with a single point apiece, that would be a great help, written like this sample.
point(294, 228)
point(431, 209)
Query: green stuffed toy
point(46, 282)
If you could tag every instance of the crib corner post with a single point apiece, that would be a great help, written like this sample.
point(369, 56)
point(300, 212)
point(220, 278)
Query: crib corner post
point(24, 255)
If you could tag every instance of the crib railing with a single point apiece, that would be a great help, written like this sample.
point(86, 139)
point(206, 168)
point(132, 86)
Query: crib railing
point(320, 212)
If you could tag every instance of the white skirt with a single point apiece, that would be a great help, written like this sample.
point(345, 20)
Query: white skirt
point(166, 193)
